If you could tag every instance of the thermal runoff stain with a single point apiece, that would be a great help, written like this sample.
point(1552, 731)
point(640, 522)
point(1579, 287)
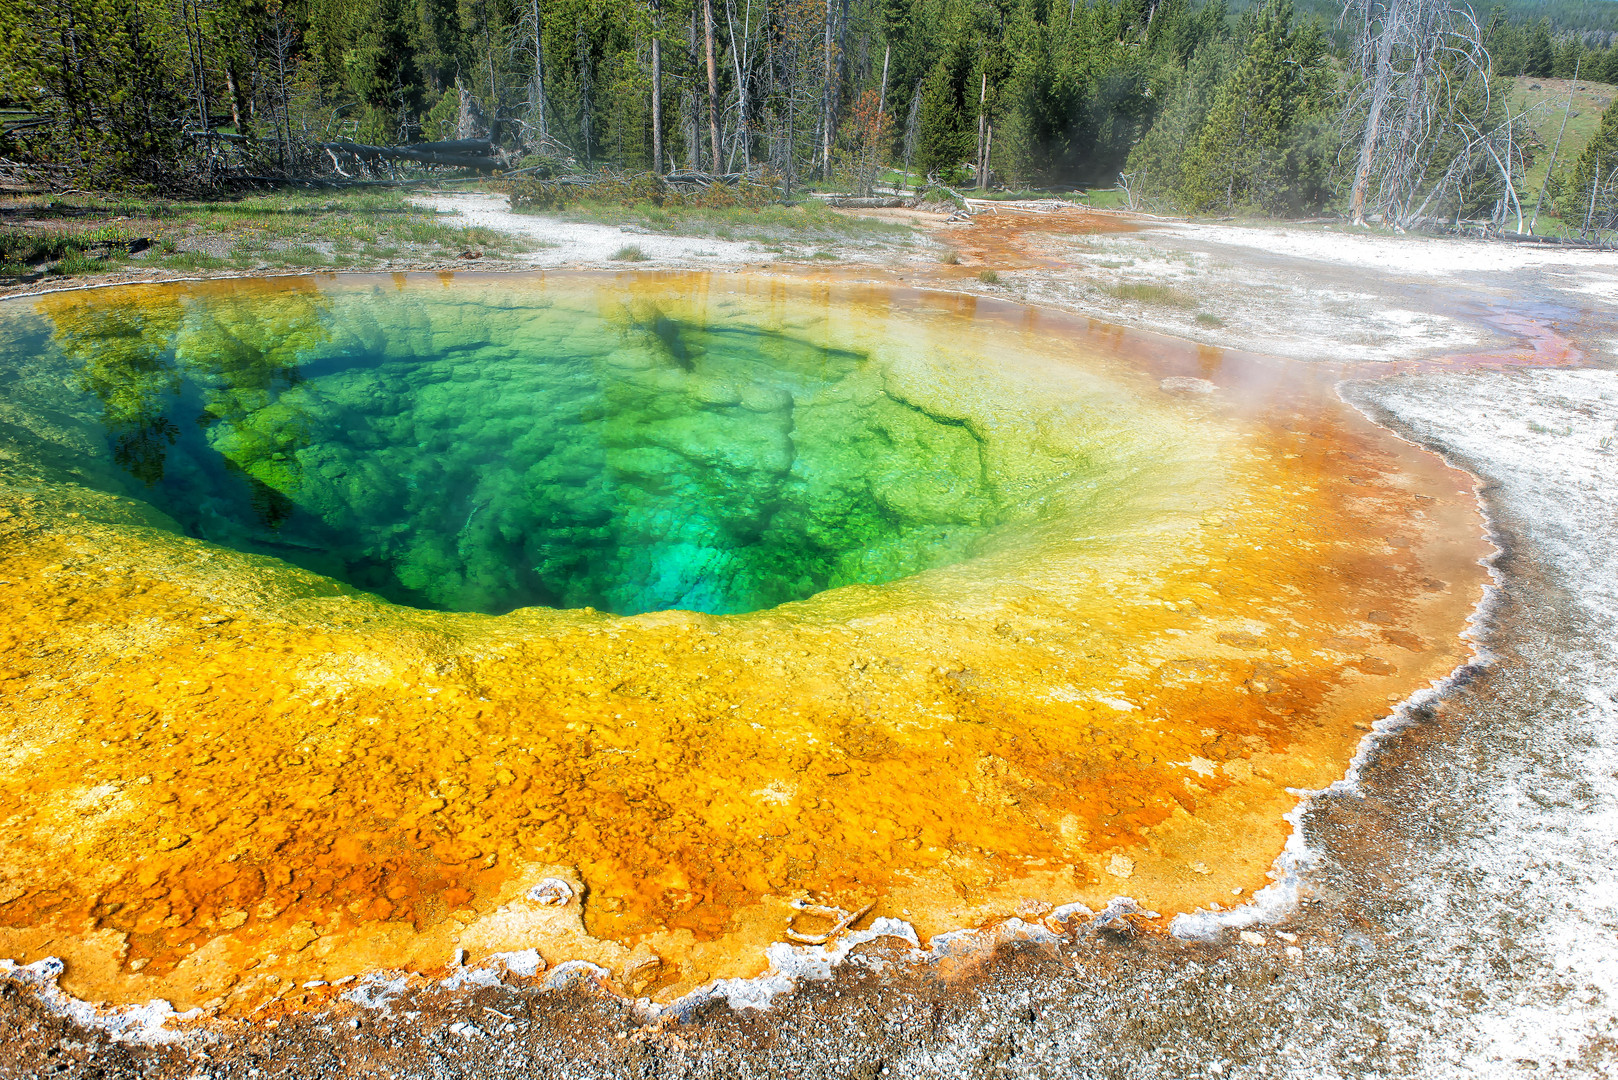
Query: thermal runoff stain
point(351, 622)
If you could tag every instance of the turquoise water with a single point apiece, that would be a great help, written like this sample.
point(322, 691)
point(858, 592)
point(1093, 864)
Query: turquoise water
point(487, 451)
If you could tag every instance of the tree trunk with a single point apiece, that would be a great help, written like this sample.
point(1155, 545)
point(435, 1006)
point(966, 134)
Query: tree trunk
point(988, 149)
point(461, 153)
point(983, 120)
point(494, 92)
point(713, 81)
point(235, 98)
point(582, 44)
point(191, 15)
point(1373, 122)
point(882, 95)
point(743, 135)
point(1557, 148)
point(539, 72)
point(1595, 181)
point(825, 104)
point(690, 118)
point(657, 85)
point(469, 117)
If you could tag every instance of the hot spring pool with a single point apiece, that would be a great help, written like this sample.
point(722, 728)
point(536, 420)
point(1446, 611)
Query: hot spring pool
point(343, 613)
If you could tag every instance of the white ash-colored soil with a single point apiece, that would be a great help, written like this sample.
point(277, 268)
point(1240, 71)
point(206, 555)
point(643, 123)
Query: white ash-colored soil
point(575, 244)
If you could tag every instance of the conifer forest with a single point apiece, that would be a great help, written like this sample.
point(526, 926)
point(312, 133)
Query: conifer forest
point(1396, 109)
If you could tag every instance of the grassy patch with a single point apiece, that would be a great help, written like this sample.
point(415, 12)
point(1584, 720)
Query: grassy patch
point(773, 224)
point(1024, 195)
point(989, 277)
point(291, 229)
point(192, 260)
point(1205, 319)
point(66, 250)
point(1146, 292)
point(950, 258)
point(630, 253)
point(1105, 199)
point(303, 255)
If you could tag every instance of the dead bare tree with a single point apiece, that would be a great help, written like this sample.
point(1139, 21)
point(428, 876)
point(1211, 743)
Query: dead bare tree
point(582, 46)
point(713, 82)
point(282, 41)
point(657, 86)
point(528, 39)
point(793, 106)
point(740, 55)
point(912, 130)
point(836, 24)
point(983, 119)
point(1420, 110)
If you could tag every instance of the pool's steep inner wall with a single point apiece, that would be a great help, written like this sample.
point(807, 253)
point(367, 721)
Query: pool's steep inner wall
point(1145, 610)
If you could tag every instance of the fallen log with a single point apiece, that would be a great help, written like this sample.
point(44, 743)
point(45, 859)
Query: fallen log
point(870, 203)
point(689, 177)
point(1552, 241)
point(471, 147)
point(423, 153)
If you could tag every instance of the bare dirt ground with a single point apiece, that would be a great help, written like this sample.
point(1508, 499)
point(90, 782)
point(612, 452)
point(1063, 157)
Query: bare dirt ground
point(1458, 908)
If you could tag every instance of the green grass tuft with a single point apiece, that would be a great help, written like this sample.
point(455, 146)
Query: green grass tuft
point(630, 253)
point(1145, 292)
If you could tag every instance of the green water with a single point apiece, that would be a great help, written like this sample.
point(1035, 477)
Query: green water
point(483, 451)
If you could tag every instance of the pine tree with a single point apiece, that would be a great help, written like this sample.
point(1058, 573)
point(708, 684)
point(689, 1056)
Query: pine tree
point(1567, 58)
point(104, 75)
point(945, 129)
point(1588, 188)
point(1245, 151)
point(1537, 52)
point(381, 73)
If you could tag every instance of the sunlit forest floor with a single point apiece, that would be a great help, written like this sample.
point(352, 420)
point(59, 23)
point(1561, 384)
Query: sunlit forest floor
point(1456, 917)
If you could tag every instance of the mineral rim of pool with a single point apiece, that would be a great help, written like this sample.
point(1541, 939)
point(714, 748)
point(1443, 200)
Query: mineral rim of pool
point(642, 619)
